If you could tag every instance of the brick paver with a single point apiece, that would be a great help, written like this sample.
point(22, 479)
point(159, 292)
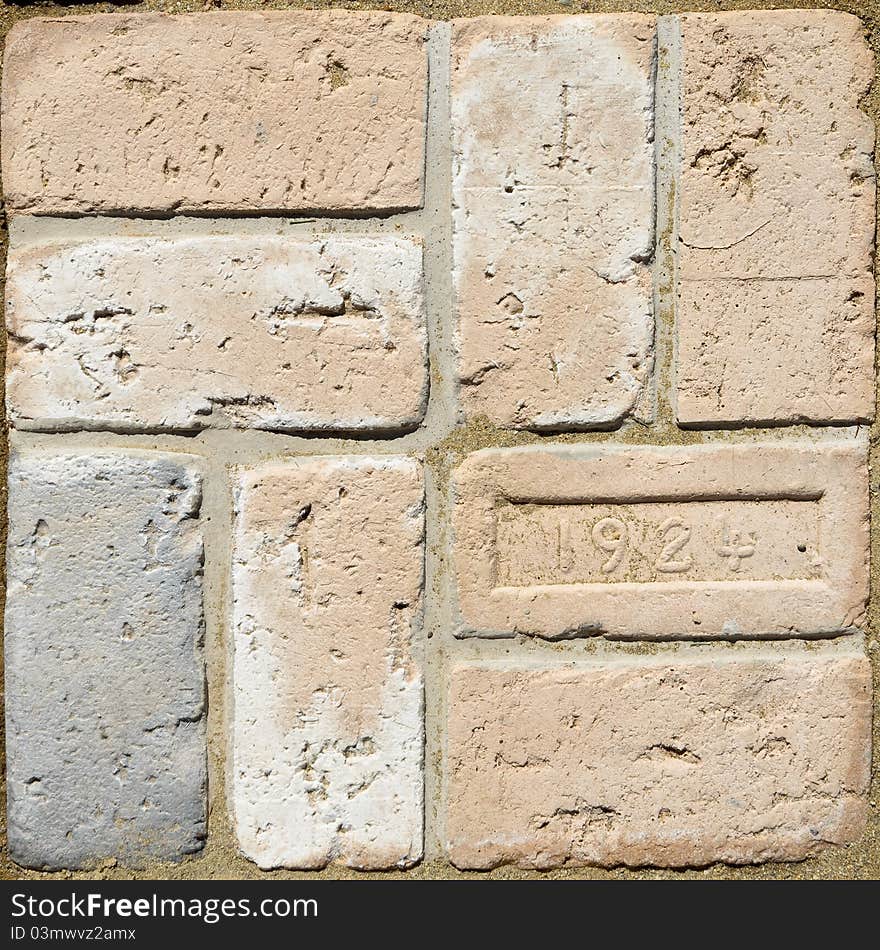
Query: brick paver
point(105, 699)
point(775, 317)
point(749, 758)
point(327, 737)
point(553, 217)
point(239, 221)
point(270, 333)
point(234, 111)
point(708, 541)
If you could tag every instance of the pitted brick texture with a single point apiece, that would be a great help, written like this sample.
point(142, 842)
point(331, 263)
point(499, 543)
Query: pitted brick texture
point(705, 541)
point(776, 203)
point(678, 764)
point(553, 217)
point(268, 333)
point(105, 699)
point(227, 112)
point(328, 734)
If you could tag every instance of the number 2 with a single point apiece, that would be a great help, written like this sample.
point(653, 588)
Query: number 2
point(667, 563)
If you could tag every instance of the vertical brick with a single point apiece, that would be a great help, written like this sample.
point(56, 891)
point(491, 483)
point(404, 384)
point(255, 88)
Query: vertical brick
point(553, 191)
point(104, 672)
point(740, 757)
point(328, 735)
point(250, 332)
point(776, 295)
point(240, 111)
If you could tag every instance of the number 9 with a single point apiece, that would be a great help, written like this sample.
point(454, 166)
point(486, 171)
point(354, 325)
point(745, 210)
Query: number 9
point(609, 535)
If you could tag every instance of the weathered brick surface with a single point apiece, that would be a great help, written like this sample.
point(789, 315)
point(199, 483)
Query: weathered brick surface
point(552, 122)
point(271, 333)
point(750, 758)
point(776, 203)
point(309, 323)
point(706, 541)
point(232, 111)
point(327, 761)
point(104, 677)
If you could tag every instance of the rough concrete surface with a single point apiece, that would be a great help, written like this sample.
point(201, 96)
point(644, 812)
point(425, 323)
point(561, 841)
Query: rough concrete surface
point(443, 446)
point(105, 685)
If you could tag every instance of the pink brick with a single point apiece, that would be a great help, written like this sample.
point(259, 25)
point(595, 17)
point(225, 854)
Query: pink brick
point(231, 111)
point(553, 192)
point(775, 317)
point(764, 540)
point(673, 761)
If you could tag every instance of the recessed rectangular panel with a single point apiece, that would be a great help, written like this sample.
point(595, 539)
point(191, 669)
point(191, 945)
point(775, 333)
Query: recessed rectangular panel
point(705, 541)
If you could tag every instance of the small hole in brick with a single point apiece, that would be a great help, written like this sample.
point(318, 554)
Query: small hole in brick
point(802, 548)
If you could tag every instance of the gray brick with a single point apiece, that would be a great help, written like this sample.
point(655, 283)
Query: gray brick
point(104, 672)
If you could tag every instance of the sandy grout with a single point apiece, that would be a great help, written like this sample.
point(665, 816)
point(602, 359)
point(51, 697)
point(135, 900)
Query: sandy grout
point(442, 410)
point(667, 144)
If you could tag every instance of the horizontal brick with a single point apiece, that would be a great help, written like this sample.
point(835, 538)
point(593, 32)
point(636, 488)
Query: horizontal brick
point(270, 333)
point(741, 362)
point(277, 111)
point(105, 696)
point(328, 734)
point(706, 541)
point(775, 319)
point(739, 757)
point(553, 217)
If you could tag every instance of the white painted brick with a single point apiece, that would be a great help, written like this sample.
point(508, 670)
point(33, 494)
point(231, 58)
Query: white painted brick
point(179, 334)
point(328, 733)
